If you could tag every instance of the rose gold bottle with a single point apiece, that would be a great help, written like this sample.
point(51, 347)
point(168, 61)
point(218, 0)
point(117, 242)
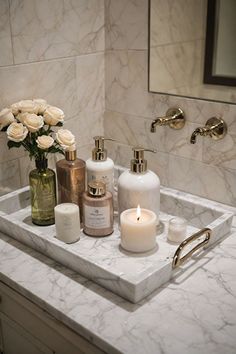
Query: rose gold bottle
point(97, 210)
point(71, 180)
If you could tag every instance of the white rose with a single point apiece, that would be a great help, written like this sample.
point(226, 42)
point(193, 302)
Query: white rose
point(41, 105)
point(65, 138)
point(21, 117)
point(15, 108)
point(16, 132)
point(44, 142)
point(27, 106)
point(33, 122)
point(53, 115)
point(6, 118)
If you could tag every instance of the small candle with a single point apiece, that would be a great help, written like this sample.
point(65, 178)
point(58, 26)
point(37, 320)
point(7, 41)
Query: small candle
point(67, 222)
point(177, 230)
point(138, 230)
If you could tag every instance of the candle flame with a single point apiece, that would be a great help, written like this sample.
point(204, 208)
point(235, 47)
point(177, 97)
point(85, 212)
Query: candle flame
point(138, 212)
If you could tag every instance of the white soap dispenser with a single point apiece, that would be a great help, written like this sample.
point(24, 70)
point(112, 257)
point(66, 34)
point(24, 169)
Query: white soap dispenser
point(100, 167)
point(139, 186)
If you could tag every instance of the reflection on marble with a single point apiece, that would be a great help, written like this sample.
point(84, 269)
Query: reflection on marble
point(6, 57)
point(54, 81)
point(131, 276)
point(126, 24)
point(90, 82)
point(47, 30)
point(177, 21)
point(9, 176)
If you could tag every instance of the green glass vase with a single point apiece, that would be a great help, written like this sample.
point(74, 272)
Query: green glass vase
point(42, 182)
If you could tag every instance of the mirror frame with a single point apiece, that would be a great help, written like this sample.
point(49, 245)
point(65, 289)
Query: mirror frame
point(211, 29)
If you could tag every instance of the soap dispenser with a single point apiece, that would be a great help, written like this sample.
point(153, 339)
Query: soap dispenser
point(139, 186)
point(100, 167)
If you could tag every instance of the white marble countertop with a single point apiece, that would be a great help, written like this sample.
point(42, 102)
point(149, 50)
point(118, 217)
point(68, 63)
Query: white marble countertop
point(194, 313)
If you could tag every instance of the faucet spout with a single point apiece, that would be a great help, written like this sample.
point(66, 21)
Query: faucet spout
point(159, 121)
point(194, 136)
point(174, 118)
point(202, 131)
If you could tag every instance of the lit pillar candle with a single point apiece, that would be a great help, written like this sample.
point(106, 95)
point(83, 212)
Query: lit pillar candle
point(138, 230)
point(67, 222)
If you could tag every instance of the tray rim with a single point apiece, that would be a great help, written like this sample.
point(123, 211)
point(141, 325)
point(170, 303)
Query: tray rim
point(132, 281)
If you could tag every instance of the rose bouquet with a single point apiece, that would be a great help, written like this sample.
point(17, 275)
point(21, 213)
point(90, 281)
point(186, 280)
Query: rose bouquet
point(29, 123)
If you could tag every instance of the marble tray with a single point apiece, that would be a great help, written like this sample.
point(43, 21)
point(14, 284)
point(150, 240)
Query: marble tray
point(101, 259)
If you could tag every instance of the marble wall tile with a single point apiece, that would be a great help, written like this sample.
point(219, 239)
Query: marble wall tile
point(6, 56)
point(86, 125)
point(135, 130)
point(126, 83)
point(221, 152)
point(127, 92)
point(126, 24)
point(90, 81)
point(8, 154)
point(9, 176)
point(53, 80)
point(216, 183)
point(56, 28)
point(177, 21)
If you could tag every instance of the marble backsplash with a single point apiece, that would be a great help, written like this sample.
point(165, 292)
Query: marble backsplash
point(42, 57)
point(52, 50)
point(207, 168)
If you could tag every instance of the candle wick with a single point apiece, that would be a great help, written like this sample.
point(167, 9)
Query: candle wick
point(138, 218)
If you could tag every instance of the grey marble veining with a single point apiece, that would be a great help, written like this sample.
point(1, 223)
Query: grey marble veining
point(101, 259)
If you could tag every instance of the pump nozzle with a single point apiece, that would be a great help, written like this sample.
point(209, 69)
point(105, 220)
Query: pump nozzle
point(99, 153)
point(139, 163)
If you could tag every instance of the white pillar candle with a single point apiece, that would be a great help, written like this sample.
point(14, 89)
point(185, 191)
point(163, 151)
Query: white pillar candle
point(138, 230)
point(67, 222)
point(177, 230)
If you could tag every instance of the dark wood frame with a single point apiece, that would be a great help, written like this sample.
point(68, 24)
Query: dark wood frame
point(209, 77)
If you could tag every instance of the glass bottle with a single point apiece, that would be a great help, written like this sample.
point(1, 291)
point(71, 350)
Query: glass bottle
point(98, 210)
point(42, 182)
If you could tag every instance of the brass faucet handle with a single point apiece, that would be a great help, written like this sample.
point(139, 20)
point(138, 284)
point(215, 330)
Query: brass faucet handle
point(215, 128)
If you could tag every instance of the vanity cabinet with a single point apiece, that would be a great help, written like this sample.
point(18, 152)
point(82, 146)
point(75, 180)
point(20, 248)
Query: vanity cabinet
point(27, 329)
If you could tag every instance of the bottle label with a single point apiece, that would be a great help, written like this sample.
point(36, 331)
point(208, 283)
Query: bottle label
point(97, 218)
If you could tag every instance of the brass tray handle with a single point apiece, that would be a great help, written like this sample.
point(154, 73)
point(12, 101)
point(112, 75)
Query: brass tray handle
point(177, 260)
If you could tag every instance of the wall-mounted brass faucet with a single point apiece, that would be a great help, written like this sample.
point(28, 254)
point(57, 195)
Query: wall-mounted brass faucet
point(215, 128)
point(175, 118)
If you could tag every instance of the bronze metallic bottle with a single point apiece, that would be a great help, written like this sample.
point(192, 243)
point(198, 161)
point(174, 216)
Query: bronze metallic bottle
point(71, 179)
